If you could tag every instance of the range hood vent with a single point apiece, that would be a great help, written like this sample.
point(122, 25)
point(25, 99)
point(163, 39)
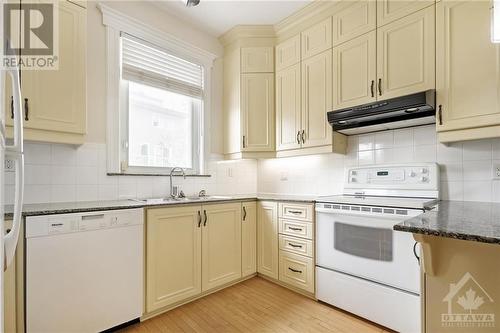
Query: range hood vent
point(406, 111)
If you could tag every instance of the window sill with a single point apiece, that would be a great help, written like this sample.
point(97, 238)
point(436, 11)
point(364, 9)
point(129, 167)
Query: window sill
point(154, 174)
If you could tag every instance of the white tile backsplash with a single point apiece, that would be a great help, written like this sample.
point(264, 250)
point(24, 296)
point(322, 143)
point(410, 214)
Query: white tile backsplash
point(465, 168)
point(64, 173)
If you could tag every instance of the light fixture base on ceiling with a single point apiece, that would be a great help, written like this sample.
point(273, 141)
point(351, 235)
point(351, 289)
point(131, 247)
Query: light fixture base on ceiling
point(191, 3)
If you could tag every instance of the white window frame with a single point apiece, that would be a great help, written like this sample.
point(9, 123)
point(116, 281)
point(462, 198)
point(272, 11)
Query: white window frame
point(117, 101)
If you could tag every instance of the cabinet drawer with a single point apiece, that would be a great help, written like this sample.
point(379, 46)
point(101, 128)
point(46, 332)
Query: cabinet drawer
point(297, 271)
point(296, 211)
point(296, 245)
point(296, 228)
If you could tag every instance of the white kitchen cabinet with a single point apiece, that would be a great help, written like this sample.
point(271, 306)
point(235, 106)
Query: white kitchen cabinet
point(221, 244)
point(249, 238)
point(173, 255)
point(54, 101)
point(406, 55)
point(317, 38)
point(288, 108)
point(468, 67)
point(288, 53)
point(355, 20)
point(355, 71)
point(392, 10)
point(267, 238)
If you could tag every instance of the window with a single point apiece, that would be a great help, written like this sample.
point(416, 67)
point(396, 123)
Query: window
point(161, 98)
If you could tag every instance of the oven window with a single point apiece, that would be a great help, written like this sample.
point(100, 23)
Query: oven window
point(365, 242)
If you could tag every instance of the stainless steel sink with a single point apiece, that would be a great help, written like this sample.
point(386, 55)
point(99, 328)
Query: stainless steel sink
point(157, 201)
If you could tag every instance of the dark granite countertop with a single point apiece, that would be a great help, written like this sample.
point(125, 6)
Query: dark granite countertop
point(472, 221)
point(91, 206)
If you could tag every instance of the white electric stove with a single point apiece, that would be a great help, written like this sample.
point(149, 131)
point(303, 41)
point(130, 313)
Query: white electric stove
point(362, 264)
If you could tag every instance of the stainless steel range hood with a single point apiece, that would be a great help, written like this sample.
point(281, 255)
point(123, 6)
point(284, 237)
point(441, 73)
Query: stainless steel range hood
point(405, 111)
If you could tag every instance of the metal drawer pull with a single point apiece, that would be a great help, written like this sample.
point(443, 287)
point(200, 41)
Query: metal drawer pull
point(295, 229)
point(380, 87)
point(295, 211)
point(244, 213)
point(372, 88)
point(93, 217)
point(298, 137)
point(440, 115)
point(294, 270)
point(12, 107)
point(199, 219)
point(26, 110)
point(294, 245)
point(206, 218)
point(303, 136)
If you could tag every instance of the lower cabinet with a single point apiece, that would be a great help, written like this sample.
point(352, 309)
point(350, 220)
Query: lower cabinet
point(248, 238)
point(190, 250)
point(267, 239)
point(297, 270)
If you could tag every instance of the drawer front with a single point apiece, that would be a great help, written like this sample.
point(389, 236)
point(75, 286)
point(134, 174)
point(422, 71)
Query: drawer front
point(296, 228)
point(296, 245)
point(296, 211)
point(297, 271)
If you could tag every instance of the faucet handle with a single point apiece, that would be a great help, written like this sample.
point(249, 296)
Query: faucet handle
point(202, 193)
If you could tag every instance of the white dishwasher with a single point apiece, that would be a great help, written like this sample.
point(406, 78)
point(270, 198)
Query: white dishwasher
point(84, 271)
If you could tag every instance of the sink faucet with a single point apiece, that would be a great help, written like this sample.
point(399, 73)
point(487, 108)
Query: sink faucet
point(171, 183)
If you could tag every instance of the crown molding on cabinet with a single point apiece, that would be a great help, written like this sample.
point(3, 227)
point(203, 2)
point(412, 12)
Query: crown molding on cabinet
point(247, 31)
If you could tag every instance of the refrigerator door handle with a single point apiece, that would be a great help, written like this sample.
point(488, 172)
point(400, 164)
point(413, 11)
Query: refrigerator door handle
point(15, 152)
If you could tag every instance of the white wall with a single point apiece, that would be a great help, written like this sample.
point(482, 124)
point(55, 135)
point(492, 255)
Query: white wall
point(466, 168)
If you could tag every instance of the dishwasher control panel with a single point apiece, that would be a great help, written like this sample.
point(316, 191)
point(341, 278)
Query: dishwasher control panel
point(79, 222)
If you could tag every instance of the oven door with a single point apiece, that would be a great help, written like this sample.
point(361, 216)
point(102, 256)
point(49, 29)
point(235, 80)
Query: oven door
point(364, 245)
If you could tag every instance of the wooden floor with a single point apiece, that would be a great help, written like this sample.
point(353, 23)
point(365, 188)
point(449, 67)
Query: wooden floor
point(255, 305)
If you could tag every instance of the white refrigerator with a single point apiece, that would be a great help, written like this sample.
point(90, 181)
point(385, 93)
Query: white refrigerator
point(14, 152)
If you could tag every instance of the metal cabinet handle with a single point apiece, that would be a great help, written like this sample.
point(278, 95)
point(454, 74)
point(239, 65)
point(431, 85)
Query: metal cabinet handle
point(372, 88)
point(298, 137)
point(303, 136)
point(206, 218)
point(26, 110)
point(92, 217)
point(199, 219)
point(295, 245)
point(295, 211)
point(244, 213)
point(11, 107)
point(380, 87)
point(440, 114)
point(294, 270)
point(243, 141)
point(295, 229)
point(415, 252)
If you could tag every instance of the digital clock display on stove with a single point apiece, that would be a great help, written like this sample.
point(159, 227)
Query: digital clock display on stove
point(382, 173)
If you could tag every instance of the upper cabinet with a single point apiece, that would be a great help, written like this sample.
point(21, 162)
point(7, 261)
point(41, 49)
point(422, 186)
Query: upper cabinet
point(54, 101)
point(391, 10)
point(317, 38)
point(353, 21)
point(468, 72)
point(288, 53)
point(257, 60)
point(248, 102)
point(288, 108)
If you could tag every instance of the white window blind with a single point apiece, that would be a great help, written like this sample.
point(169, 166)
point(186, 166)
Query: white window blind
point(147, 64)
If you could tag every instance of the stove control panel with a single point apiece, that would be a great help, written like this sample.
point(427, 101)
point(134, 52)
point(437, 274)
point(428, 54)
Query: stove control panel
point(419, 176)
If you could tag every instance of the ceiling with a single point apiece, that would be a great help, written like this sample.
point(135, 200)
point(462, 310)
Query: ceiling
point(218, 16)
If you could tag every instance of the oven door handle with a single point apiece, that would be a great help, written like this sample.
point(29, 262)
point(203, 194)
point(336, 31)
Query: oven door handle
point(415, 252)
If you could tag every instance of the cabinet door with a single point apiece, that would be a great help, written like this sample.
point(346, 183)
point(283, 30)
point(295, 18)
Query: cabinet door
point(288, 108)
point(221, 245)
point(257, 112)
point(391, 10)
point(257, 60)
point(317, 38)
point(267, 238)
point(353, 21)
point(57, 98)
point(173, 255)
point(468, 67)
point(249, 238)
point(406, 55)
point(288, 53)
point(354, 71)
point(317, 100)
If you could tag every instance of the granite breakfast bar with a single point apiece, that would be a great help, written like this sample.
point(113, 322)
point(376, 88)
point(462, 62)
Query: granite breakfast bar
point(460, 260)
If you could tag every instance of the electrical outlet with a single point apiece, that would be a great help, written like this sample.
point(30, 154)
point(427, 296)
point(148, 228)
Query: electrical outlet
point(9, 165)
point(496, 171)
point(284, 176)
